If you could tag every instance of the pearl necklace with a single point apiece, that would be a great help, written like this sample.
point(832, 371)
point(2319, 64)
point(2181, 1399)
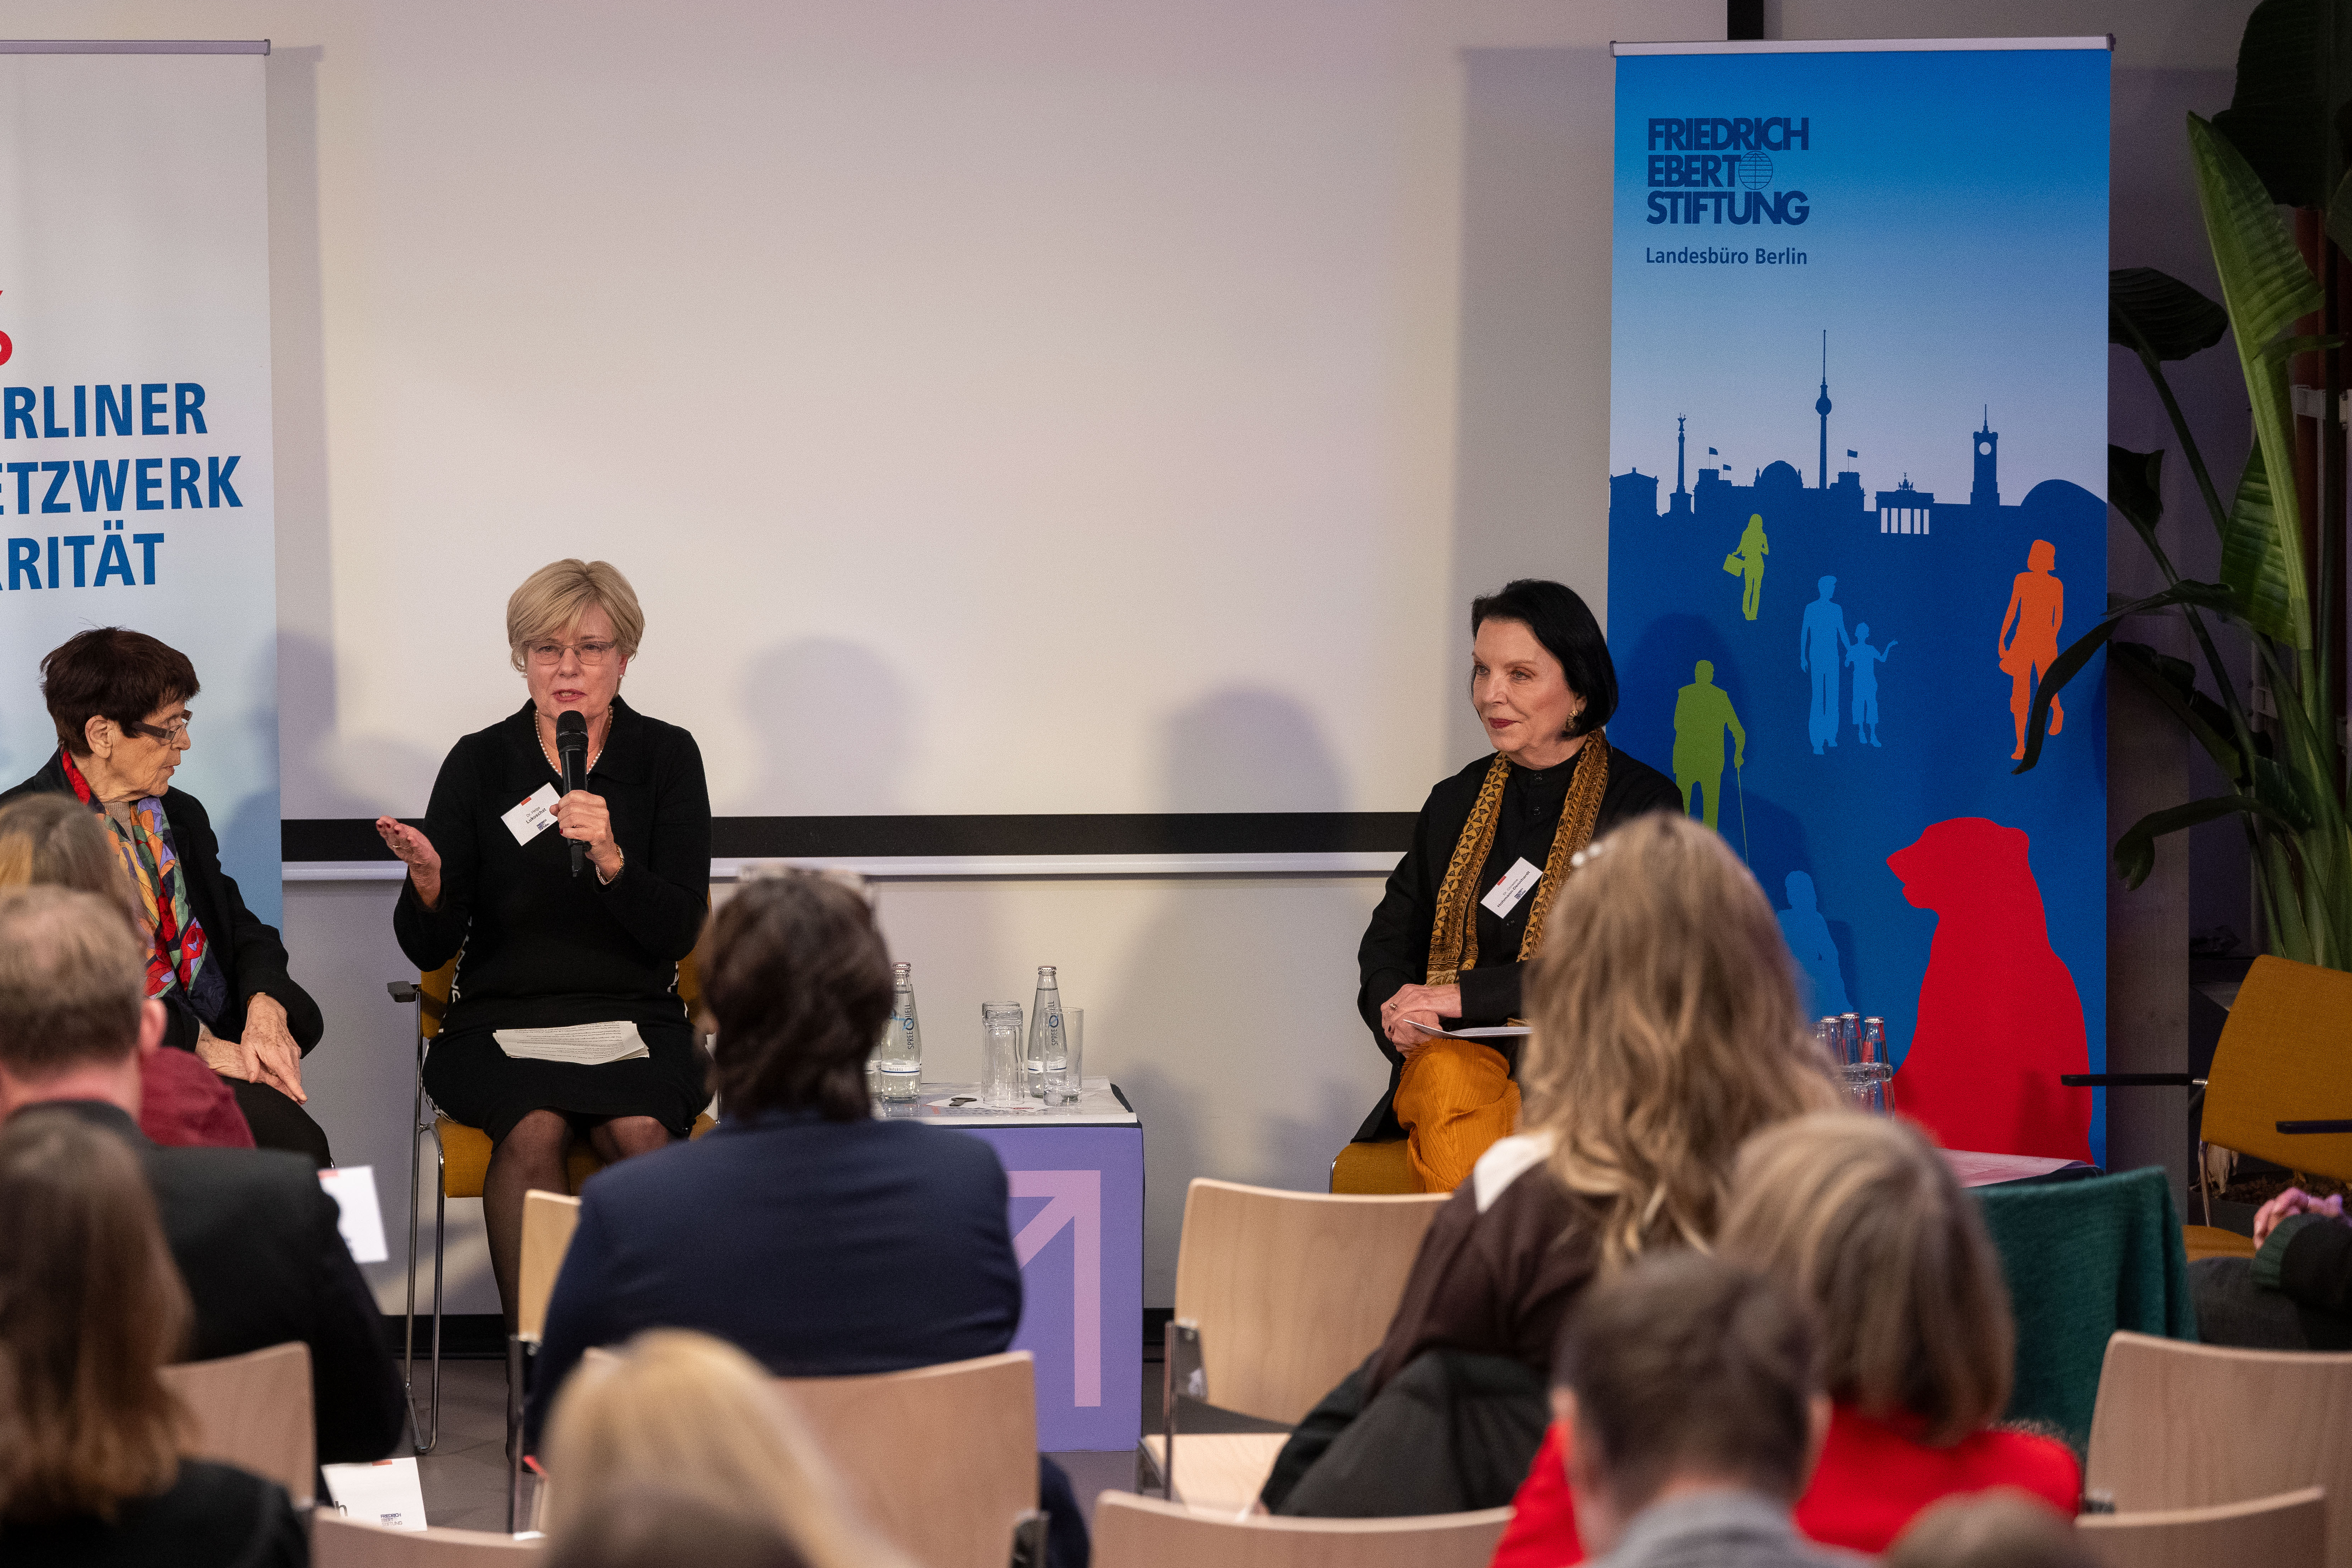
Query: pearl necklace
point(557, 766)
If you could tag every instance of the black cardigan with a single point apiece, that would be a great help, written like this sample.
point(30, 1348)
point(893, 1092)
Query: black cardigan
point(1395, 949)
point(251, 956)
point(541, 947)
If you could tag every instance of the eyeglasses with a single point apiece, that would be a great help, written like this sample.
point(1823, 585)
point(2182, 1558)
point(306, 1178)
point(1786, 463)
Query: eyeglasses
point(170, 729)
point(551, 654)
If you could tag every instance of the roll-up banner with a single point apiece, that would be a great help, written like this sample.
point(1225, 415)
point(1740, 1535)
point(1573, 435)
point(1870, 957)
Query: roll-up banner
point(134, 400)
point(1857, 470)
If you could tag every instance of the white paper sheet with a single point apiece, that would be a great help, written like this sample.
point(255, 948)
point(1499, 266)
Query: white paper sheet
point(388, 1492)
point(1483, 1032)
point(360, 1216)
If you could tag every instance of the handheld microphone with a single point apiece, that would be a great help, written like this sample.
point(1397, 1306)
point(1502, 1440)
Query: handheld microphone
point(572, 751)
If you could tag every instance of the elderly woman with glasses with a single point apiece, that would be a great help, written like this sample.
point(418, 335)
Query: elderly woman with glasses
point(120, 700)
point(564, 1020)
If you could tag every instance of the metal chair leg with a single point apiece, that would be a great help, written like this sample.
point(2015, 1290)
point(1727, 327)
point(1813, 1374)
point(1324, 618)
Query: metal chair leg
point(514, 1431)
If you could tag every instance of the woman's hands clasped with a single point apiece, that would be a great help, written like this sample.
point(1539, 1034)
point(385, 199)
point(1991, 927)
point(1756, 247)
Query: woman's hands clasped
point(2293, 1201)
point(418, 852)
point(1411, 1005)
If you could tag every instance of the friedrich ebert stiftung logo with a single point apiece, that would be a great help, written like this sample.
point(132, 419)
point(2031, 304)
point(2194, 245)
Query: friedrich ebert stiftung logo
point(1718, 171)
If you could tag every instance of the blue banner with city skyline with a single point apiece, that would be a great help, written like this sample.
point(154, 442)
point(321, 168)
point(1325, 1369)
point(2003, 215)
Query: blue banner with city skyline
point(1857, 471)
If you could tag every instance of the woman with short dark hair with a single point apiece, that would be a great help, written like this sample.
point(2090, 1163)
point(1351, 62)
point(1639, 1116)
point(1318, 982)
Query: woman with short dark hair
point(120, 701)
point(90, 1308)
point(1464, 909)
point(822, 1241)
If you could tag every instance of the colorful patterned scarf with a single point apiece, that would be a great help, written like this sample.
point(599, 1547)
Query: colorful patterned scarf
point(148, 855)
point(1454, 939)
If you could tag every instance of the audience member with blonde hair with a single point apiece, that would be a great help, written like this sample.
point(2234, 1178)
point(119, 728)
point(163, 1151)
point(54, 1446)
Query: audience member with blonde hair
point(90, 1308)
point(1865, 1221)
point(1667, 1029)
point(710, 1424)
point(51, 841)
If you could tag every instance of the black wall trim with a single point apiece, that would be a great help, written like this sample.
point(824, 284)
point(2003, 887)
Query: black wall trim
point(866, 838)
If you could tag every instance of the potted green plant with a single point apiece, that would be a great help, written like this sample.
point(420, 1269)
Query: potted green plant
point(2281, 143)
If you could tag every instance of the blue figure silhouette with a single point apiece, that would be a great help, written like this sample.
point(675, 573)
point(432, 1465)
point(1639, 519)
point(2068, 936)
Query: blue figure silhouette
point(1866, 660)
point(1821, 643)
point(1808, 936)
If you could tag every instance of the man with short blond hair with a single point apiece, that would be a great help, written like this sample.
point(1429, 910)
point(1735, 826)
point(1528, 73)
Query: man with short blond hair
point(254, 1234)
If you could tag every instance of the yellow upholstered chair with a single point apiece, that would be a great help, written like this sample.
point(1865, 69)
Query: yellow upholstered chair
point(462, 1157)
point(1378, 1168)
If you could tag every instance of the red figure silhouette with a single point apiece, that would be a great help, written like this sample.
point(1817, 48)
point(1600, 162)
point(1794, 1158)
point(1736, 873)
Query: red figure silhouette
point(1998, 1015)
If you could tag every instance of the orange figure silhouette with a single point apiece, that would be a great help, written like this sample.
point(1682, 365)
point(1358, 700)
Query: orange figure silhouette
point(1998, 1015)
point(2037, 608)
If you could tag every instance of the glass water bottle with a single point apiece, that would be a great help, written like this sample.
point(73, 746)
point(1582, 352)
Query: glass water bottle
point(899, 1060)
point(1049, 1048)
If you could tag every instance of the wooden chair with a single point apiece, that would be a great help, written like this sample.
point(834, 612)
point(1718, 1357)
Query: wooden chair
point(1291, 1291)
point(940, 1460)
point(253, 1411)
point(461, 1156)
point(548, 1221)
point(2278, 1060)
point(2289, 1531)
point(339, 1543)
point(2183, 1426)
point(1145, 1532)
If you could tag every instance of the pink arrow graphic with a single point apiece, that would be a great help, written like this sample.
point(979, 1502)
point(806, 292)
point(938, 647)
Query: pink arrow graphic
point(1074, 1198)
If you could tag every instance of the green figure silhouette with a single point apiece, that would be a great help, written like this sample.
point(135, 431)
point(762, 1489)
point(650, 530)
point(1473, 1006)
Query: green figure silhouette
point(1702, 713)
point(1748, 562)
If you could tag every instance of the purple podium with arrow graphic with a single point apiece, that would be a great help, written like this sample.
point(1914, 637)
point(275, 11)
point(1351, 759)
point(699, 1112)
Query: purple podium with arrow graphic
point(1076, 1178)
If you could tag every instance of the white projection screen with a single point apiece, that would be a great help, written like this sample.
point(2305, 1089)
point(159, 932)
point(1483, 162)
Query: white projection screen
point(1054, 410)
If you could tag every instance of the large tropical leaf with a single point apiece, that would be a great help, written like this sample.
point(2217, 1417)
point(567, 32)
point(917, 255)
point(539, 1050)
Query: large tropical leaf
point(2294, 77)
point(2265, 286)
point(2136, 851)
point(2070, 661)
point(2158, 309)
point(2135, 488)
point(2254, 565)
point(2173, 682)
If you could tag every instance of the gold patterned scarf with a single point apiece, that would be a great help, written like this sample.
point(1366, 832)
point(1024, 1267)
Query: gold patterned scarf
point(1453, 941)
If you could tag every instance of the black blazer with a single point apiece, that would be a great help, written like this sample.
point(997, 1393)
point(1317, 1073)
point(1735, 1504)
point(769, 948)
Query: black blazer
point(256, 1239)
point(251, 956)
point(1395, 949)
point(211, 1517)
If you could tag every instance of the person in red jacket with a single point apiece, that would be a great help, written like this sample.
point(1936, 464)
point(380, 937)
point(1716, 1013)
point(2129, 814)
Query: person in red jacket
point(1865, 1221)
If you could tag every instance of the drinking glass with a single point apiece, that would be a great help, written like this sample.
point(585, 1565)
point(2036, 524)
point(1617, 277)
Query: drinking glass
point(1003, 1073)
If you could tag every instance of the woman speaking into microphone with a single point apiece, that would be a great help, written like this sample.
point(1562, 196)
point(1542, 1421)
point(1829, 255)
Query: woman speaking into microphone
point(567, 908)
point(1464, 909)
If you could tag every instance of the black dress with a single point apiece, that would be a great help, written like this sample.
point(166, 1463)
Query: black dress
point(540, 948)
point(1395, 949)
point(251, 957)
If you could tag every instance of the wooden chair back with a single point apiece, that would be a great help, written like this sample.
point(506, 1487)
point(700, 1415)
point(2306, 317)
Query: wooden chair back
point(548, 1221)
point(339, 1543)
point(940, 1460)
point(2285, 1532)
point(1292, 1290)
point(2280, 1059)
point(2182, 1426)
point(253, 1411)
point(1147, 1532)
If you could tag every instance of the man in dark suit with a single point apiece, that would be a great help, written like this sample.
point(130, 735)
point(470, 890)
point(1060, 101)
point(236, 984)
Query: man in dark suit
point(254, 1233)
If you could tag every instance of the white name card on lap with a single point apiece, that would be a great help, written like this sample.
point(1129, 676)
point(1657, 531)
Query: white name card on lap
point(389, 1493)
point(533, 817)
point(1506, 894)
point(1483, 1032)
point(359, 1216)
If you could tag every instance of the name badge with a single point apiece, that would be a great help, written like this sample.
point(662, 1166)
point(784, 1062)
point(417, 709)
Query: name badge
point(1514, 886)
point(537, 815)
